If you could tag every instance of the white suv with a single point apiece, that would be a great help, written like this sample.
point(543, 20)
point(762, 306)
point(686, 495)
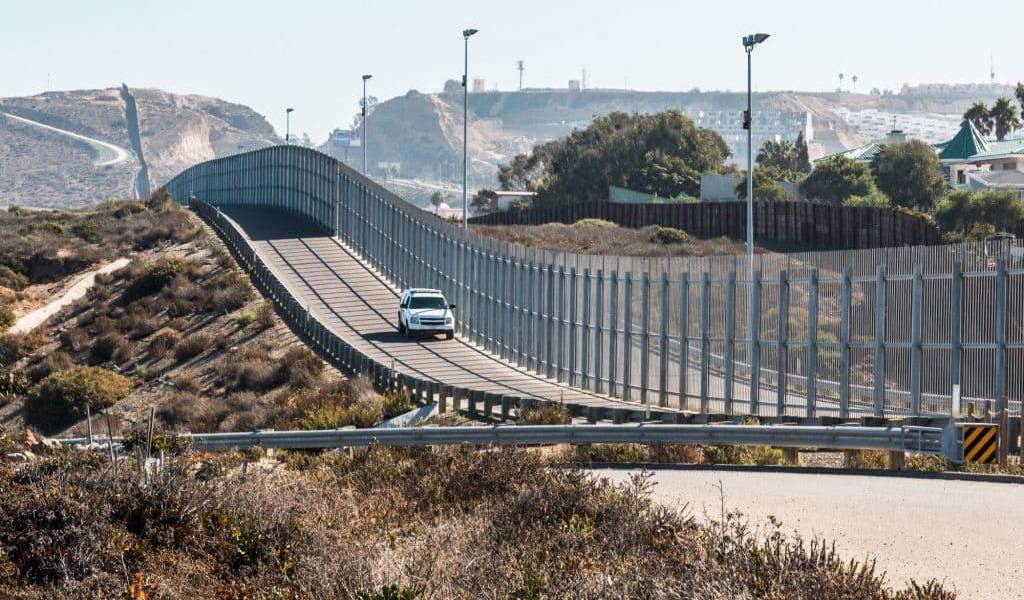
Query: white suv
point(425, 311)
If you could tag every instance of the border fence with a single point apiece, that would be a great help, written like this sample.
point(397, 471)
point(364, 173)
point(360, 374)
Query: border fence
point(885, 332)
point(819, 225)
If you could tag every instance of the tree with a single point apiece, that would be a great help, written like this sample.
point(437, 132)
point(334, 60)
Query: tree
point(909, 174)
point(974, 213)
point(836, 178)
point(1019, 92)
point(1005, 116)
point(436, 199)
point(371, 104)
point(780, 154)
point(766, 186)
point(483, 202)
point(980, 117)
point(803, 161)
point(663, 153)
point(873, 200)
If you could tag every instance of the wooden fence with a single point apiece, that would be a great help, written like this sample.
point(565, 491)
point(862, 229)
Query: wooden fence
point(798, 223)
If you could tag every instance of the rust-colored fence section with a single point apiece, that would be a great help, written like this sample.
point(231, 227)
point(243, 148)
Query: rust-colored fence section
point(799, 223)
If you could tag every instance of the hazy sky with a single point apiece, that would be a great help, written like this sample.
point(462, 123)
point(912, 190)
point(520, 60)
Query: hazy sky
point(310, 54)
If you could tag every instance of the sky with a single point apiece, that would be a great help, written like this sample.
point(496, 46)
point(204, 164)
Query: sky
point(310, 54)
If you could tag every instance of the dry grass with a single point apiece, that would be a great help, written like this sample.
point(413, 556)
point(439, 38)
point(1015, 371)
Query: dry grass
point(588, 237)
point(389, 523)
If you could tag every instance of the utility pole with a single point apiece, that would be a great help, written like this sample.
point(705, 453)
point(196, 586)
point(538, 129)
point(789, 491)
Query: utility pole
point(466, 33)
point(288, 125)
point(520, 67)
point(362, 124)
point(749, 42)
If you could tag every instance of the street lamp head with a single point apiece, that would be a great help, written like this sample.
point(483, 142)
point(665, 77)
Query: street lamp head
point(749, 41)
point(365, 77)
point(466, 33)
point(288, 110)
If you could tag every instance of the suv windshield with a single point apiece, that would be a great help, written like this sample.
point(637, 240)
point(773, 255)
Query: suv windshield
point(427, 302)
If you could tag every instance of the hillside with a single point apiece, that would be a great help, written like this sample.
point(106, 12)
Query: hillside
point(43, 165)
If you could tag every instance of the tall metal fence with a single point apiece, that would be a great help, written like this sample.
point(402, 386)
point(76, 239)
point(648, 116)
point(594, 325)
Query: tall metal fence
point(883, 332)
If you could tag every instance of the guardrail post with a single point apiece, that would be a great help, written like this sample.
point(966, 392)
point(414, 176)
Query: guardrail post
point(782, 358)
point(730, 340)
point(754, 330)
point(844, 344)
point(879, 375)
point(955, 312)
point(999, 367)
point(663, 342)
point(705, 343)
point(684, 338)
point(572, 325)
point(627, 337)
point(812, 344)
point(915, 342)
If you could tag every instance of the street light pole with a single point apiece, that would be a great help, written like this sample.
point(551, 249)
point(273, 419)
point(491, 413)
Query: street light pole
point(288, 125)
point(363, 123)
point(749, 41)
point(466, 33)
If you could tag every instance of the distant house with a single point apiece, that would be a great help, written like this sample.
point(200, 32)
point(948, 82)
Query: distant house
point(968, 160)
point(506, 198)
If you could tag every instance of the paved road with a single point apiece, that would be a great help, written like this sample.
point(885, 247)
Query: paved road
point(353, 302)
point(968, 534)
point(30, 321)
point(107, 153)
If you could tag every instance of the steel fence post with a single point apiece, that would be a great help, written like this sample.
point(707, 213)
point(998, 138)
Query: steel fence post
point(705, 342)
point(844, 343)
point(585, 333)
point(955, 312)
point(598, 331)
point(915, 342)
point(754, 331)
point(782, 368)
point(572, 325)
point(549, 323)
point(613, 331)
point(645, 339)
point(879, 370)
point(730, 340)
point(560, 327)
point(627, 338)
point(663, 343)
point(684, 339)
point(812, 344)
point(999, 367)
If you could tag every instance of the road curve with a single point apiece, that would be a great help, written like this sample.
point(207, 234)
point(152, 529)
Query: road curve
point(349, 299)
point(969, 535)
point(107, 153)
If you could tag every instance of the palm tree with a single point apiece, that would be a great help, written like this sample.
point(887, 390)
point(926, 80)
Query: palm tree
point(1020, 95)
point(980, 117)
point(1004, 115)
point(840, 82)
point(781, 154)
point(854, 78)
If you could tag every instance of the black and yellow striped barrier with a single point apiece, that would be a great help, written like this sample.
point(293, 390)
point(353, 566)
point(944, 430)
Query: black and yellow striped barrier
point(981, 443)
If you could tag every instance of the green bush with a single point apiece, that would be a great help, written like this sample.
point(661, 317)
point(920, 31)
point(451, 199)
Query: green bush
point(7, 317)
point(396, 403)
point(976, 214)
point(154, 279)
point(669, 235)
point(872, 200)
point(546, 414)
point(245, 318)
point(594, 223)
point(10, 279)
point(62, 397)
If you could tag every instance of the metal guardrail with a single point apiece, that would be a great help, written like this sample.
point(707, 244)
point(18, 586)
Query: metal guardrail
point(916, 439)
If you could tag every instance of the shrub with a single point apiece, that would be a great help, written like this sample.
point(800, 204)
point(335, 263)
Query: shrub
point(234, 293)
point(154, 279)
point(546, 414)
point(618, 453)
point(74, 339)
point(873, 200)
point(7, 317)
point(162, 342)
point(265, 315)
point(137, 326)
point(245, 318)
point(669, 235)
point(113, 347)
point(15, 346)
point(53, 362)
point(11, 279)
point(301, 367)
point(183, 409)
point(178, 324)
point(973, 214)
point(62, 397)
point(594, 223)
point(13, 383)
point(192, 346)
point(397, 402)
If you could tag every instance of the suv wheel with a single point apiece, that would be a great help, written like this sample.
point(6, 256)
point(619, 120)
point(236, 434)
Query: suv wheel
point(449, 335)
point(401, 327)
